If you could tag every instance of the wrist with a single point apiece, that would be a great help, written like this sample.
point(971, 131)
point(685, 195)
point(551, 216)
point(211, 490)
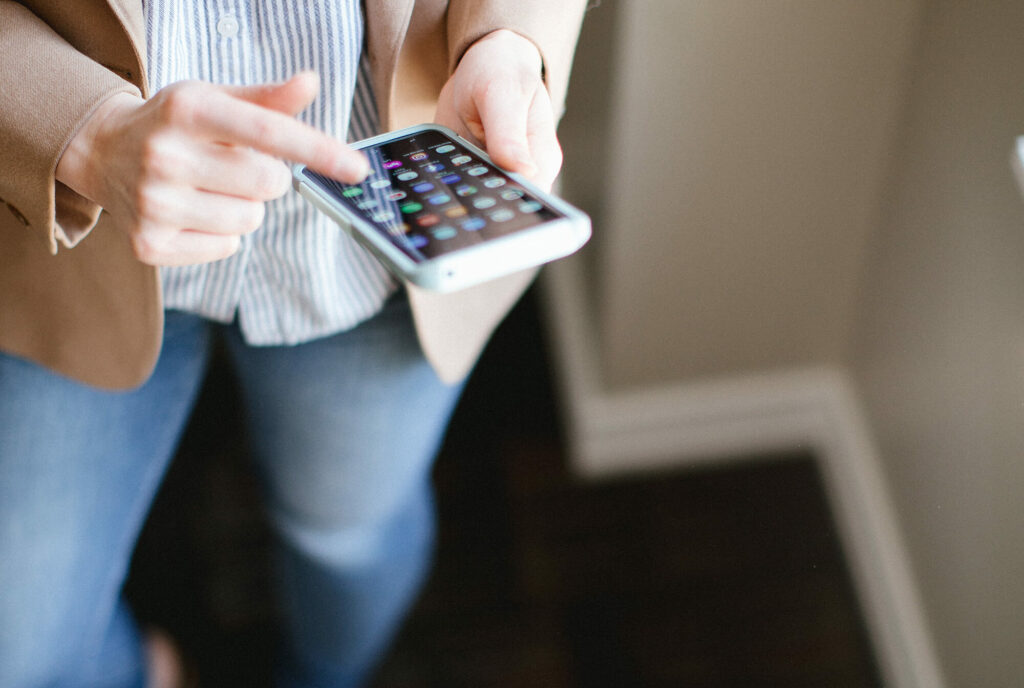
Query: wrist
point(75, 168)
point(514, 46)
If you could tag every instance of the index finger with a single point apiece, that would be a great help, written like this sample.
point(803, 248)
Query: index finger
point(231, 120)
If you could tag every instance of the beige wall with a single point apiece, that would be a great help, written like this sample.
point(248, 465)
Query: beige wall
point(746, 149)
point(941, 340)
point(784, 184)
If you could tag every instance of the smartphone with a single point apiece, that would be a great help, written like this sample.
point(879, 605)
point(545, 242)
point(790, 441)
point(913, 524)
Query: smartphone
point(437, 212)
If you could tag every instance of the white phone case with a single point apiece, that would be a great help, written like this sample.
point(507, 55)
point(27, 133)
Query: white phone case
point(461, 268)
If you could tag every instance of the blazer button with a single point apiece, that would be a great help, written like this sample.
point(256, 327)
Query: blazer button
point(17, 215)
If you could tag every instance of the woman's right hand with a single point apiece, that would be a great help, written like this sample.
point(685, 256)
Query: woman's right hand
point(186, 173)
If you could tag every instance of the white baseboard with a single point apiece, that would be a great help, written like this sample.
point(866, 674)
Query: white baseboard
point(817, 409)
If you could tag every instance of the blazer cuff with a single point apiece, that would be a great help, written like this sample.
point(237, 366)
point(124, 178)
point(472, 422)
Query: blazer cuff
point(50, 90)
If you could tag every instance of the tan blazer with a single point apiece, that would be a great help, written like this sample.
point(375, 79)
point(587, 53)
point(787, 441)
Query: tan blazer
point(72, 295)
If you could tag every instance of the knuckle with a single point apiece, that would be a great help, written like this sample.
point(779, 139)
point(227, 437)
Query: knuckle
point(157, 159)
point(145, 248)
point(253, 218)
point(150, 205)
point(270, 181)
point(181, 103)
point(264, 131)
point(241, 217)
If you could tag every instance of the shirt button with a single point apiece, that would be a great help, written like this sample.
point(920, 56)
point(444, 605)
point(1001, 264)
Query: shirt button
point(227, 26)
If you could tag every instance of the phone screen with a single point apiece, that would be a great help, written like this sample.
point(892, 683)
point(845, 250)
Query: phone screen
point(430, 195)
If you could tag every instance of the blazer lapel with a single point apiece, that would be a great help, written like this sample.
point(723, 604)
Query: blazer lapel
point(129, 13)
point(387, 22)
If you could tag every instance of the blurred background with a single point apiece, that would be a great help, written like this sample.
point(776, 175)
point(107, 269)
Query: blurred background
point(765, 430)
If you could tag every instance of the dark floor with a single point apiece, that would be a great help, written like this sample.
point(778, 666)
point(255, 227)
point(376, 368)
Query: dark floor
point(717, 577)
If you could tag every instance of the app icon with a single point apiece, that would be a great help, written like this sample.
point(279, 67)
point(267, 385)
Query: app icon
point(465, 189)
point(382, 216)
point(365, 203)
point(529, 207)
point(461, 159)
point(444, 232)
point(434, 167)
point(407, 175)
point(352, 192)
point(446, 148)
point(379, 183)
point(438, 199)
point(422, 187)
point(392, 164)
point(476, 171)
point(427, 220)
point(396, 195)
point(418, 156)
point(411, 207)
point(494, 182)
point(502, 215)
point(484, 202)
point(450, 178)
point(455, 211)
point(511, 194)
point(417, 240)
point(473, 224)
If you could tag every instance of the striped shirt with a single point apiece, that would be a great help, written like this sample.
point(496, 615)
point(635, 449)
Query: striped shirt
point(299, 276)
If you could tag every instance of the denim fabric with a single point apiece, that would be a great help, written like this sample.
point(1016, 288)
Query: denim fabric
point(344, 430)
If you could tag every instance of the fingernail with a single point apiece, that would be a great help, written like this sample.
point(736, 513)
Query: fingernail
point(354, 168)
point(309, 76)
point(523, 161)
point(526, 166)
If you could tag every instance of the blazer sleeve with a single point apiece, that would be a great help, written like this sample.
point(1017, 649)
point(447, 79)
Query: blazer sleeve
point(48, 89)
point(552, 25)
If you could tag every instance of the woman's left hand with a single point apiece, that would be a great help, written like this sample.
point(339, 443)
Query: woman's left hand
point(497, 99)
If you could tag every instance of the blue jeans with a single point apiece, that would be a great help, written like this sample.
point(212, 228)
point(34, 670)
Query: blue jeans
point(344, 430)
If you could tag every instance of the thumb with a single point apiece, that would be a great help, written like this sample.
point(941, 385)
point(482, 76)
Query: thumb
point(289, 97)
point(505, 124)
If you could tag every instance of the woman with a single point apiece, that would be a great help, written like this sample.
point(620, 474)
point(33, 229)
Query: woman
point(173, 116)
